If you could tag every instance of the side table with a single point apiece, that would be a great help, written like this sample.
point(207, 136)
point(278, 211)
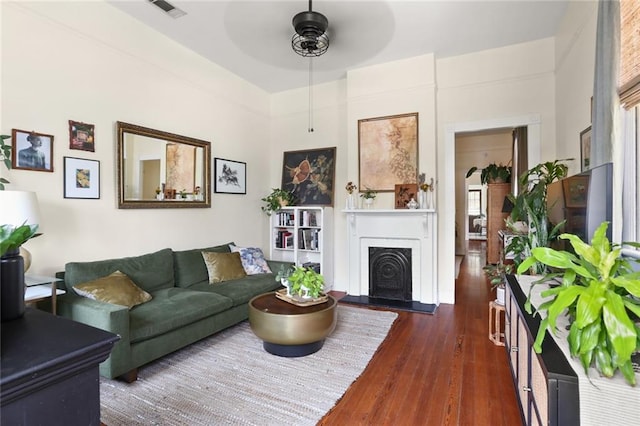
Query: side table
point(495, 333)
point(39, 287)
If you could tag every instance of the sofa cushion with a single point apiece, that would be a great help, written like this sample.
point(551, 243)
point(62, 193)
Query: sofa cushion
point(173, 308)
point(189, 265)
point(243, 290)
point(223, 266)
point(253, 260)
point(117, 289)
point(151, 272)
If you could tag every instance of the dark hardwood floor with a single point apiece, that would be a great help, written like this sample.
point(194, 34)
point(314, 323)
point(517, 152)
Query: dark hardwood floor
point(437, 369)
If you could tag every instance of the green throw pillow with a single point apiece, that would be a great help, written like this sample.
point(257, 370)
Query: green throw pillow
point(223, 266)
point(116, 288)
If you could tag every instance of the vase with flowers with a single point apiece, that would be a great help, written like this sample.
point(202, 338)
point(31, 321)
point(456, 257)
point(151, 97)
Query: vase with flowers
point(351, 200)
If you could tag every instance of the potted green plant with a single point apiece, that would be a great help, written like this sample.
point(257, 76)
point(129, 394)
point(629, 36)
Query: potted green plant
point(600, 292)
point(283, 277)
point(530, 207)
point(5, 156)
point(493, 173)
point(12, 269)
point(306, 282)
point(368, 196)
point(277, 199)
point(497, 275)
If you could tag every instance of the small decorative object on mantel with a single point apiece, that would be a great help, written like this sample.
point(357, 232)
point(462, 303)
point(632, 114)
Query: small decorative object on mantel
point(351, 199)
point(368, 196)
point(403, 193)
point(412, 204)
point(425, 195)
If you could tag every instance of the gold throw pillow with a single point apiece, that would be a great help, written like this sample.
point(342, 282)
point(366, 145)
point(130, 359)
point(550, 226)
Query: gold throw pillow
point(116, 288)
point(223, 266)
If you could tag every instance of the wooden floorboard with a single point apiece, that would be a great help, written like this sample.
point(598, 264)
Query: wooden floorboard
point(437, 369)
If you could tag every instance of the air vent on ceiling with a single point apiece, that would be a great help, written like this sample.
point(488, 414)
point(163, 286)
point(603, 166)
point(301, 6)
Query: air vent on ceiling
point(170, 9)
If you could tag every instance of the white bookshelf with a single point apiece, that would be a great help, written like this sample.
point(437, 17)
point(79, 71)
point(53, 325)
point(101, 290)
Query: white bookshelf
point(304, 235)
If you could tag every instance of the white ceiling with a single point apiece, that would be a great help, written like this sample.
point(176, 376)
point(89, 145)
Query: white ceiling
point(252, 39)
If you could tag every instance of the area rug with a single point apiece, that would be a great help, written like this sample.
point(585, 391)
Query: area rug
point(412, 306)
point(458, 263)
point(228, 378)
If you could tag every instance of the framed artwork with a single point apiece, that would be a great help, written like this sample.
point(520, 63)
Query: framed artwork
point(181, 167)
point(81, 136)
point(585, 149)
point(309, 175)
point(404, 193)
point(388, 151)
point(576, 190)
point(81, 178)
point(31, 151)
point(230, 176)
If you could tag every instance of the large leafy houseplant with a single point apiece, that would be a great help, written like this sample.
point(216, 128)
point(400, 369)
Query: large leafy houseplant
point(530, 207)
point(11, 238)
point(277, 199)
point(600, 292)
point(493, 173)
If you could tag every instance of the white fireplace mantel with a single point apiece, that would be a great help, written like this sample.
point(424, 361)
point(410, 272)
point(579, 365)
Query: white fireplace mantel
point(404, 228)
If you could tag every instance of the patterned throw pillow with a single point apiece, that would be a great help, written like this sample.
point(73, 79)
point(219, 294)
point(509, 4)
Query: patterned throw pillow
point(116, 288)
point(253, 260)
point(223, 266)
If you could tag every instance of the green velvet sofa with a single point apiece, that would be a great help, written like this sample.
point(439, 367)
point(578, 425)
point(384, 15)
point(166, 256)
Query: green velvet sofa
point(185, 307)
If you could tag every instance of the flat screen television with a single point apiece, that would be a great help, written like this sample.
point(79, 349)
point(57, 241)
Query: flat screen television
point(584, 201)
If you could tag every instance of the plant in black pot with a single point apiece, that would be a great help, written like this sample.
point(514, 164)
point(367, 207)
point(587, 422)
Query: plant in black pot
point(493, 173)
point(600, 292)
point(12, 269)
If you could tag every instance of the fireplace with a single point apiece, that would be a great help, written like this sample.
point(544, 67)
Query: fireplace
point(409, 232)
point(390, 273)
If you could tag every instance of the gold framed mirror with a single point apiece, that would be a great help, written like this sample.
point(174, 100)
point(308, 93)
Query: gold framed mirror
point(158, 169)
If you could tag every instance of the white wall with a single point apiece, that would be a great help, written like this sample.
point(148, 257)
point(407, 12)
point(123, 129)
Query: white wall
point(504, 87)
point(89, 62)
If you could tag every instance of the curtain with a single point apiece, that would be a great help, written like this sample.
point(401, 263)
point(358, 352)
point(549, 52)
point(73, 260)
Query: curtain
point(630, 177)
point(605, 83)
point(520, 161)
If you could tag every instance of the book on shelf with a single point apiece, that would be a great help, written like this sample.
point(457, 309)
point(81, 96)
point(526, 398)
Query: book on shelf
point(307, 218)
point(286, 219)
point(283, 239)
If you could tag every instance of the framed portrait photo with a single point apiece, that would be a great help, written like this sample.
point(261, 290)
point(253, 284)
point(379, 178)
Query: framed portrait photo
point(81, 178)
point(31, 151)
point(309, 175)
point(388, 151)
point(230, 176)
point(81, 136)
point(585, 149)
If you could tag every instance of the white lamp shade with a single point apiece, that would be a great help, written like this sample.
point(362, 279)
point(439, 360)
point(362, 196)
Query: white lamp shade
point(18, 208)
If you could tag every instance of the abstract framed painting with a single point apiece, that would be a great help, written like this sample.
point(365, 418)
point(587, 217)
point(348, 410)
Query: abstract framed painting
point(388, 151)
point(81, 136)
point(230, 176)
point(309, 175)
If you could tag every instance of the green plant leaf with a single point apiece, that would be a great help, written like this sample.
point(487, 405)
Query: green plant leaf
point(565, 298)
point(537, 344)
point(589, 306)
point(603, 361)
point(574, 339)
point(589, 336)
point(621, 331)
point(631, 285)
point(631, 306)
point(629, 374)
point(583, 249)
point(525, 265)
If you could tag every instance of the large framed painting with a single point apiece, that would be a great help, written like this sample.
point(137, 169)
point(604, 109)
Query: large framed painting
point(388, 151)
point(310, 175)
point(231, 176)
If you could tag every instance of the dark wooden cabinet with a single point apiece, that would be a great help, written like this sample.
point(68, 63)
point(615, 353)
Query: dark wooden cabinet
point(495, 218)
point(546, 385)
point(49, 370)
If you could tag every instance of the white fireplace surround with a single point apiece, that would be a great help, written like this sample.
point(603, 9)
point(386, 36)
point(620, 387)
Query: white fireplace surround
point(413, 229)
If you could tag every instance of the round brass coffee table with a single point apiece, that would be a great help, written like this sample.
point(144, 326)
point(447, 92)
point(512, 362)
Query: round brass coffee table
point(289, 330)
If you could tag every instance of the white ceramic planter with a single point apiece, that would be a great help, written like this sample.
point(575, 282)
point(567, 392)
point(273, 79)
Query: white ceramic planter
point(500, 295)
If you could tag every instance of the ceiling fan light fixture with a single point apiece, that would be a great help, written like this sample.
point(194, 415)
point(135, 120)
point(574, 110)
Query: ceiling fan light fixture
point(311, 38)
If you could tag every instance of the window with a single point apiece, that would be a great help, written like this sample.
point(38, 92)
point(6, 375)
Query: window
point(474, 201)
point(629, 53)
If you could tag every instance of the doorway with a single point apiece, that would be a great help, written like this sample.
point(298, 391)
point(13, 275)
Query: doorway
point(150, 170)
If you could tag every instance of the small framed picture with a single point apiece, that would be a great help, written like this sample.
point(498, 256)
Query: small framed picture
point(230, 176)
point(81, 136)
point(31, 151)
point(585, 149)
point(404, 192)
point(81, 178)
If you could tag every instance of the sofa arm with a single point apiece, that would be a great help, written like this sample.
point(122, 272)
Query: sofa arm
point(106, 316)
